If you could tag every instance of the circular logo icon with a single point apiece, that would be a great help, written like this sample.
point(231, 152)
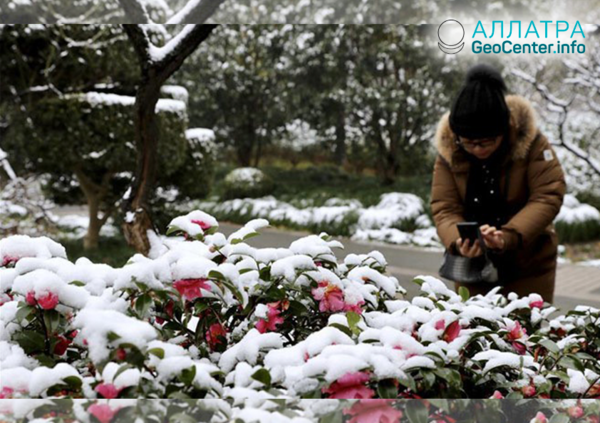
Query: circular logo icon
point(450, 35)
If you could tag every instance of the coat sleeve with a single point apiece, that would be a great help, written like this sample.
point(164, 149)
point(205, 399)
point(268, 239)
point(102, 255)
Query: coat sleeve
point(547, 187)
point(446, 205)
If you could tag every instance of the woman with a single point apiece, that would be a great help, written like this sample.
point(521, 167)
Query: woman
point(496, 168)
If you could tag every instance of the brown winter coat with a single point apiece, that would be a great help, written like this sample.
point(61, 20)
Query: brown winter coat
point(535, 195)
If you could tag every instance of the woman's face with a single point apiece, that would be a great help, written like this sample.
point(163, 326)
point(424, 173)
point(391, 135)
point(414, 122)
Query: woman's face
point(481, 148)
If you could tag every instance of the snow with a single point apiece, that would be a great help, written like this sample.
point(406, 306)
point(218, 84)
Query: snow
point(372, 223)
point(43, 282)
point(43, 378)
point(577, 381)
point(96, 325)
point(572, 211)
point(249, 348)
point(24, 246)
point(97, 99)
point(289, 267)
point(185, 223)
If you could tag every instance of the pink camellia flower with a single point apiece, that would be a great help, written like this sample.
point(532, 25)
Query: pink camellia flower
point(528, 391)
point(108, 390)
point(536, 304)
point(330, 297)
point(7, 260)
point(190, 288)
point(203, 225)
point(373, 411)
point(214, 335)
point(575, 411)
point(520, 348)
point(273, 319)
point(48, 301)
point(356, 308)
point(497, 395)
point(30, 298)
point(350, 386)
point(102, 412)
point(539, 418)
point(452, 331)
point(121, 354)
point(517, 332)
point(6, 392)
point(440, 324)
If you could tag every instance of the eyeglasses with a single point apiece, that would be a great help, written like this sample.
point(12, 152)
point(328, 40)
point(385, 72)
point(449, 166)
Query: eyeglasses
point(470, 145)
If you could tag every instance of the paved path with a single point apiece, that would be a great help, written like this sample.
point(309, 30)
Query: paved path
point(575, 284)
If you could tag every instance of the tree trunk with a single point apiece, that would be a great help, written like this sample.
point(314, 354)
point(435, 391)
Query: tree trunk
point(90, 240)
point(135, 229)
point(340, 137)
point(153, 75)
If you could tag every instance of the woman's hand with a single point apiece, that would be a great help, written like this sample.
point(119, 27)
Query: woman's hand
point(492, 237)
point(467, 250)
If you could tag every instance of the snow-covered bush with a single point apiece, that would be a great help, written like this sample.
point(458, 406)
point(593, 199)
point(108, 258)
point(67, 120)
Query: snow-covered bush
point(577, 222)
point(398, 218)
point(246, 182)
point(209, 316)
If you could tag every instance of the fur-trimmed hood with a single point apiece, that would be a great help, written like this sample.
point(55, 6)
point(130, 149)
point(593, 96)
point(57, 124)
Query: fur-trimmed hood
point(522, 131)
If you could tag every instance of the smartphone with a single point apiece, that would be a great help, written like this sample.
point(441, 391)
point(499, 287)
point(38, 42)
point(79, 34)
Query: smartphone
point(468, 230)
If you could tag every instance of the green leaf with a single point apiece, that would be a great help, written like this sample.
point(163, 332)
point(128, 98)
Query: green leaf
point(353, 320)
point(334, 417)
point(419, 281)
point(173, 229)
point(112, 336)
point(387, 389)
point(121, 369)
point(158, 352)
point(342, 328)
point(187, 375)
point(464, 293)
point(73, 381)
point(142, 304)
point(30, 341)
point(51, 320)
point(549, 345)
point(24, 312)
point(416, 412)
point(263, 376)
point(215, 274)
point(77, 283)
point(182, 417)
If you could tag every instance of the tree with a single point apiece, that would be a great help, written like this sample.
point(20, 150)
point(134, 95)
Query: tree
point(244, 92)
point(157, 64)
point(74, 123)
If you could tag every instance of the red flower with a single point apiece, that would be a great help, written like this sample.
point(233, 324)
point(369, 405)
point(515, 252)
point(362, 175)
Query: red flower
point(537, 304)
point(452, 331)
point(6, 392)
point(203, 225)
point(373, 411)
point(61, 346)
point(102, 412)
point(273, 319)
point(121, 354)
point(440, 324)
point(190, 288)
point(350, 386)
point(108, 390)
point(540, 418)
point(528, 391)
point(497, 395)
point(48, 301)
point(331, 299)
point(6, 260)
point(215, 335)
point(575, 411)
point(30, 298)
point(517, 332)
